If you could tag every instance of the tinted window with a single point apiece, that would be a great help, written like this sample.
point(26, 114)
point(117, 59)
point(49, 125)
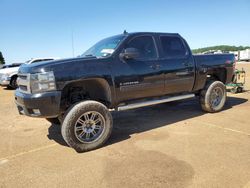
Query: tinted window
point(172, 46)
point(10, 66)
point(15, 65)
point(145, 45)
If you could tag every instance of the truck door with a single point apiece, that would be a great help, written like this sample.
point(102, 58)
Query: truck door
point(177, 64)
point(140, 77)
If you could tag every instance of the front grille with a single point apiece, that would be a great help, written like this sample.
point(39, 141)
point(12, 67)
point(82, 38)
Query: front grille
point(24, 83)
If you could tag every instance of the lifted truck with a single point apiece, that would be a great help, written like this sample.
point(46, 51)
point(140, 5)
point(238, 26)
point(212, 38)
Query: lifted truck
point(122, 72)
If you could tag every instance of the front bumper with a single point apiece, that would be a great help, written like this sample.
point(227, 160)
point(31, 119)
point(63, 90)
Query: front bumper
point(5, 81)
point(45, 104)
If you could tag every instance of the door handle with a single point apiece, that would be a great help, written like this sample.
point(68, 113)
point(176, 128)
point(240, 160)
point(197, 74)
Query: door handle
point(187, 64)
point(155, 67)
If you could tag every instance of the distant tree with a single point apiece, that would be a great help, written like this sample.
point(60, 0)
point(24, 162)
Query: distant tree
point(2, 61)
point(223, 48)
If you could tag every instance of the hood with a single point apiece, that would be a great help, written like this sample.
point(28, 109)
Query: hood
point(46, 66)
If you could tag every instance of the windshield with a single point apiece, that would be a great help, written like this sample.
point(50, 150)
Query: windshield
point(104, 47)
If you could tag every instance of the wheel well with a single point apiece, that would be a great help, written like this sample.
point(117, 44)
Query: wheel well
point(11, 80)
point(92, 89)
point(13, 76)
point(219, 74)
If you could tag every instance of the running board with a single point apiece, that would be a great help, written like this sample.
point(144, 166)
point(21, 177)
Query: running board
point(153, 102)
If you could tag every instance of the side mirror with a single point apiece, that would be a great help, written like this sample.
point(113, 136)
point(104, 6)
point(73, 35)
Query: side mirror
point(130, 53)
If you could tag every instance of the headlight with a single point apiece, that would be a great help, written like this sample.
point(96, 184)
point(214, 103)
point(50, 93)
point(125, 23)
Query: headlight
point(42, 82)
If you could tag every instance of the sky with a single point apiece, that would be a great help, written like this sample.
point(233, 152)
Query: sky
point(45, 28)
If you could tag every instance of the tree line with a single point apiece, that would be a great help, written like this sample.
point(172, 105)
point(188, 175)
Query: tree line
point(2, 61)
point(223, 48)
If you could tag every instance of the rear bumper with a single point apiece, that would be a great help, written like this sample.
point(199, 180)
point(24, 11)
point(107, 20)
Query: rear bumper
point(45, 105)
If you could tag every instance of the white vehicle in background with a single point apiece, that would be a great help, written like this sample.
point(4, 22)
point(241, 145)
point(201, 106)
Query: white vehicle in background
point(245, 55)
point(8, 76)
point(11, 65)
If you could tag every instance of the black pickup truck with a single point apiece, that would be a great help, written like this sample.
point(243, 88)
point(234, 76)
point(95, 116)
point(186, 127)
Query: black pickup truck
point(122, 72)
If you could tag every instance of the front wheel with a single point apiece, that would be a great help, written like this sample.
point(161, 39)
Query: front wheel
point(213, 96)
point(13, 82)
point(87, 125)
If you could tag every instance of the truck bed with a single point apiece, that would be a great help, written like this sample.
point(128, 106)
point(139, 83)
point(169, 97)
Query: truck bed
point(213, 60)
point(218, 65)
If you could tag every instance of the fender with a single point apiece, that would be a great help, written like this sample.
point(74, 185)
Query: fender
point(95, 87)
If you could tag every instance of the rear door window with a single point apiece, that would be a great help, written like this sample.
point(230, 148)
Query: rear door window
point(172, 46)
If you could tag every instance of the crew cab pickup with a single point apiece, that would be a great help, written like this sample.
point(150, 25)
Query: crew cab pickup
point(122, 72)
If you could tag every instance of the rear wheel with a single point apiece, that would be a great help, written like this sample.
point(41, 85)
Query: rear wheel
point(87, 126)
point(213, 96)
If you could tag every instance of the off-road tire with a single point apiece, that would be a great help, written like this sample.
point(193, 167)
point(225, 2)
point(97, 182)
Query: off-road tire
point(71, 117)
point(206, 96)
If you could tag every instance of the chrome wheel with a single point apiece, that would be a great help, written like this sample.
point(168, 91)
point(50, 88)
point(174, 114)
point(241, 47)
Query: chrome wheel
point(89, 127)
point(216, 96)
point(213, 96)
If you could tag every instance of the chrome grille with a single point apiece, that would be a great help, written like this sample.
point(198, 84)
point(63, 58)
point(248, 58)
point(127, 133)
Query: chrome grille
point(23, 82)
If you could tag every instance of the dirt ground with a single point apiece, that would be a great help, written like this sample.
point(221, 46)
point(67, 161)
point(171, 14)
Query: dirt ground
point(167, 145)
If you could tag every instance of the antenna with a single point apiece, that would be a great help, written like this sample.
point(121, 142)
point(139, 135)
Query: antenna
point(72, 42)
point(125, 32)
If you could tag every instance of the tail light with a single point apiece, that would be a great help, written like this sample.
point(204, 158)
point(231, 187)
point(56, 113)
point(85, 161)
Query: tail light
point(228, 62)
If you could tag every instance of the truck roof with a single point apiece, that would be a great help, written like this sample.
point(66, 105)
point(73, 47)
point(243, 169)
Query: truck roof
point(152, 33)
